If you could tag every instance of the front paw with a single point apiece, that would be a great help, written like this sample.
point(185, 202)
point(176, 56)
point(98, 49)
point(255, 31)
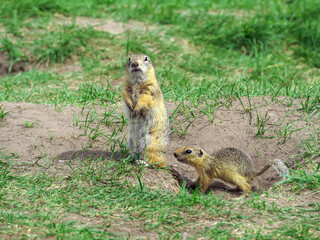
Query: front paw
point(130, 105)
point(138, 108)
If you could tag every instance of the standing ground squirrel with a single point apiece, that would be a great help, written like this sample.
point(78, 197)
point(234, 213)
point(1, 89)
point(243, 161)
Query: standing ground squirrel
point(229, 164)
point(145, 110)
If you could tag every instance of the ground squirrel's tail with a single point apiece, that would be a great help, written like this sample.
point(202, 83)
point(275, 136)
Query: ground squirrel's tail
point(278, 164)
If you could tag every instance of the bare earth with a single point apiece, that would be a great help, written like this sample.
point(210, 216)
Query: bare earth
point(57, 137)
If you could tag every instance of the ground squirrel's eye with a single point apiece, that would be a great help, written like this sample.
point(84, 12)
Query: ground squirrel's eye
point(188, 151)
point(146, 59)
point(129, 59)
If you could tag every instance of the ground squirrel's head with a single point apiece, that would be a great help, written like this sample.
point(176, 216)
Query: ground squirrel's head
point(190, 155)
point(139, 68)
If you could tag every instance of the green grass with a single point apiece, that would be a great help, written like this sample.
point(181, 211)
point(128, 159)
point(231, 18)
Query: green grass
point(94, 190)
point(258, 47)
point(28, 124)
point(206, 54)
point(3, 112)
point(12, 49)
point(301, 180)
point(60, 45)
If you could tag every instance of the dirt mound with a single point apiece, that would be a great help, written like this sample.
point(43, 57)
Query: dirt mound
point(38, 133)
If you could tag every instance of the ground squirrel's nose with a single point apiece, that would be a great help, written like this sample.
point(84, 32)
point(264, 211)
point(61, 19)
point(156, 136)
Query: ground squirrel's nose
point(134, 64)
point(175, 155)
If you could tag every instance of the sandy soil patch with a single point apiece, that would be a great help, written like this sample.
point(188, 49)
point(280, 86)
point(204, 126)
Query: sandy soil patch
point(58, 135)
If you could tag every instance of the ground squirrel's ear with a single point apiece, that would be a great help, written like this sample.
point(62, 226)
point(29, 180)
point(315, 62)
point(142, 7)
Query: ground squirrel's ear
point(200, 152)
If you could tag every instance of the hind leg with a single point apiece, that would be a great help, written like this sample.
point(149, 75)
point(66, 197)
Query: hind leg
point(156, 158)
point(156, 148)
point(155, 152)
point(241, 182)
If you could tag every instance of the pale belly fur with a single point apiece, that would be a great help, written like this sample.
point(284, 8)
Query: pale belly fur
point(138, 131)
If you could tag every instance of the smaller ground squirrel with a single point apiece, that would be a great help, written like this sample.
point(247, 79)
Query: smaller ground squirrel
point(229, 164)
point(144, 108)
